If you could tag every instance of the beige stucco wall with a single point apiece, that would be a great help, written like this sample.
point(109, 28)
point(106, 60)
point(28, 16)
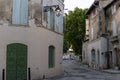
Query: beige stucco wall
point(38, 40)
point(85, 57)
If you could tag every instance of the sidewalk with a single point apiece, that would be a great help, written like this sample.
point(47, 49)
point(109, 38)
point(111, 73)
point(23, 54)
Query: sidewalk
point(111, 71)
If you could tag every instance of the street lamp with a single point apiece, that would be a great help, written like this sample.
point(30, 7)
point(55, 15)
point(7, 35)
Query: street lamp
point(57, 9)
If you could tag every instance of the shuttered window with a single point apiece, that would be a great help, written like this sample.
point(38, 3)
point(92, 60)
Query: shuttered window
point(51, 19)
point(56, 23)
point(20, 12)
point(51, 56)
point(48, 19)
point(114, 27)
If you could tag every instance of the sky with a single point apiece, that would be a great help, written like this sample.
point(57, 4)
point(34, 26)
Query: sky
point(71, 4)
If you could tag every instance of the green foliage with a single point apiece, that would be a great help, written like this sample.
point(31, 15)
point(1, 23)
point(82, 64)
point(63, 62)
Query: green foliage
point(65, 46)
point(74, 31)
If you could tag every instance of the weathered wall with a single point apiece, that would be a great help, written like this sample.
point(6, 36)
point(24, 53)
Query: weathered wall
point(100, 45)
point(5, 11)
point(103, 3)
point(85, 44)
point(85, 56)
point(59, 20)
point(35, 13)
point(93, 19)
point(87, 26)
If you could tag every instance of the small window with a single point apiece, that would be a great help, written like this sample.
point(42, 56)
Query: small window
point(113, 9)
point(51, 56)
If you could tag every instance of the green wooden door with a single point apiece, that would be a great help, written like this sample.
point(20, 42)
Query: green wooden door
point(16, 63)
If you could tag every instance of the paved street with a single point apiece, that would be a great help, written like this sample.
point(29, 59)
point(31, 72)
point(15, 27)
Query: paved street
point(75, 71)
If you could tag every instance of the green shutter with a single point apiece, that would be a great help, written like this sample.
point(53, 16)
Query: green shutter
point(16, 63)
point(51, 57)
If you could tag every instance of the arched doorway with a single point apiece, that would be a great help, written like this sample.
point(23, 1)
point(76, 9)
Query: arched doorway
point(16, 62)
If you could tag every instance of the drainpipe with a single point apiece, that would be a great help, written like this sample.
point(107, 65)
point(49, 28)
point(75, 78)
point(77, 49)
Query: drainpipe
point(107, 38)
point(42, 14)
point(29, 74)
point(3, 74)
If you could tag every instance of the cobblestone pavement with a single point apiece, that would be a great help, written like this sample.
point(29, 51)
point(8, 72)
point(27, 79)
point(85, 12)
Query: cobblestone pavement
point(75, 71)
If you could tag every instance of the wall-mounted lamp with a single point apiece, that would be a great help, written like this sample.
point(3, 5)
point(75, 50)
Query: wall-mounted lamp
point(57, 9)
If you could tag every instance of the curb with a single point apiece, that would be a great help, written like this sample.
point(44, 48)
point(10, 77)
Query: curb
point(101, 70)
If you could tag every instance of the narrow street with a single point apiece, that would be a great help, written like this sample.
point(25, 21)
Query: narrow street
point(75, 71)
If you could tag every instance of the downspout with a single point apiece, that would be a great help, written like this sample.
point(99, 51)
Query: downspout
point(108, 56)
point(107, 38)
point(99, 21)
point(42, 12)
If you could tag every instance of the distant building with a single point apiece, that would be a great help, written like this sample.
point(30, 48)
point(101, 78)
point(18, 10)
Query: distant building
point(112, 13)
point(95, 44)
point(31, 40)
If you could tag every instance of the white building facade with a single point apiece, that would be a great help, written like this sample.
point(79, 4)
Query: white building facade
point(31, 40)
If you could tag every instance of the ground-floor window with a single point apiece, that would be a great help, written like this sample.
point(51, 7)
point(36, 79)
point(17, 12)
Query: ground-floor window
point(51, 56)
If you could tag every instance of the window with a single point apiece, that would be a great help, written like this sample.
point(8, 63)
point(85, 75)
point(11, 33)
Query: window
point(114, 27)
point(92, 33)
point(93, 56)
point(20, 12)
point(51, 19)
point(51, 56)
point(113, 9)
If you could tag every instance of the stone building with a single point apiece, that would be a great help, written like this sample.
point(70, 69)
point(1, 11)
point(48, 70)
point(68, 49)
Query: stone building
point(96, 40)
point(31, 40)
point(112, 13)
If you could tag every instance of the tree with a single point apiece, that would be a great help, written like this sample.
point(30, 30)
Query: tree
point(74, 31)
